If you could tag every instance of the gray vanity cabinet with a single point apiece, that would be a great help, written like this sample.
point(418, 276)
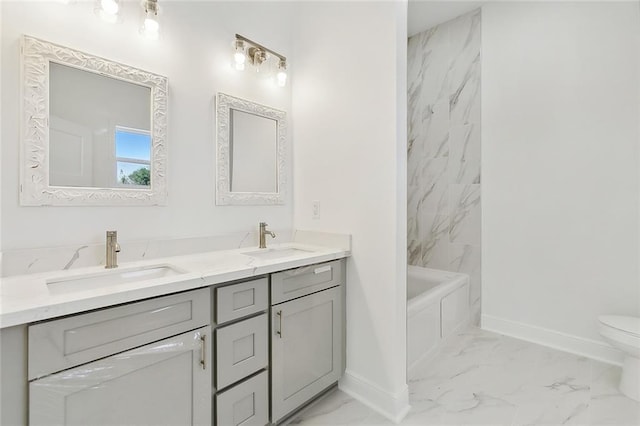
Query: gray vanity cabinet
point(147, 362)
point(164, 383)
point(306, 337)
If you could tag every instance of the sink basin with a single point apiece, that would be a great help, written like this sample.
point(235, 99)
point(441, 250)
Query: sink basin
point(276, 253)
point(111, 277)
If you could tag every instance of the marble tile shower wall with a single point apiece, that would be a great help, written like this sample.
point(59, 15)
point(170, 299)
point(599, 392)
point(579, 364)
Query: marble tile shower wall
point(444, 148)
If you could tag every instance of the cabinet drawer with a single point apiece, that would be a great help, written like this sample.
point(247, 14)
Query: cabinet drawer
point(245, 404)
point(60, 344)
point(240, 300)
point(241, 349)
point(299, 282)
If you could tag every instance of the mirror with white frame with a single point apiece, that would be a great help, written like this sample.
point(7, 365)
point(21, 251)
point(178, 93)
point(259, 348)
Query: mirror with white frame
point(250, 152)
point(94, 130)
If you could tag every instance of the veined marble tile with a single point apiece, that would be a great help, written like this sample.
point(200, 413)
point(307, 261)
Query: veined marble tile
point(464, 100)
point(337, 408)
point(466, 258)
point(414, 66)
point(433, 240)
point(465, 214)
point(415, 164)
point(415, 137)
point(444, 124)
point(483, 378)
point(414, 246)
point(433, 187)
point(464, 154)
point(480, 408)
point(435, 130)
point(464, 45)
point(434, 58)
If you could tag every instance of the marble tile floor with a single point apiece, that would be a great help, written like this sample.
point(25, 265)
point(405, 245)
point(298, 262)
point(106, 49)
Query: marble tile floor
point(483, 378)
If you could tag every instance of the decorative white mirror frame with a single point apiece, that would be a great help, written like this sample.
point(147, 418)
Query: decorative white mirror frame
point(34, 175)
point(224, 195)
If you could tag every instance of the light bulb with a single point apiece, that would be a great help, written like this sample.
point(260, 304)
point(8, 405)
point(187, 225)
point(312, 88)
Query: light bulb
point(281, 76)
point(110, 7)
point(150, 25)
point(239, 58)
point(107, 10)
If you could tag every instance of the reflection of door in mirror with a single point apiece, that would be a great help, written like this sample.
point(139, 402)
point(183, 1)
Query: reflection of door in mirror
point(71, 160)
point(101, 134)
point(253, 142)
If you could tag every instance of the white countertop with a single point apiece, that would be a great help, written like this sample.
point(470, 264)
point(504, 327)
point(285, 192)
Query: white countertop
point(28, 298)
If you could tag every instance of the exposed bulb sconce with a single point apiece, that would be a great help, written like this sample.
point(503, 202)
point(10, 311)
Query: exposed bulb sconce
point(281, 76)
point(239, 57)
point(108, 10)
point(245, 50)
point(150, 25)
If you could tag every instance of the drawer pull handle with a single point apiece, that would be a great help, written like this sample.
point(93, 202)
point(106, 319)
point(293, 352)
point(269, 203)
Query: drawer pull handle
point(203, 351)
point(279, 332)
point(322, 269)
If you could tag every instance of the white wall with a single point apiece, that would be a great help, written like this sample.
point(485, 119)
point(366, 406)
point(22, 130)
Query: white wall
point(349, 108)
point(194, 53)
point(560, 108)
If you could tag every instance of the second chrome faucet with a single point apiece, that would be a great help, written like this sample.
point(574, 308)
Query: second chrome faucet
point(263, 233)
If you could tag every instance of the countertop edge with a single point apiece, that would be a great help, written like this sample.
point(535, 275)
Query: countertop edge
point(161, 287)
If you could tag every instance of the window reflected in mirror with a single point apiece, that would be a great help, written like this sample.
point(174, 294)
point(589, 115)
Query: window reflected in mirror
point(133, 157)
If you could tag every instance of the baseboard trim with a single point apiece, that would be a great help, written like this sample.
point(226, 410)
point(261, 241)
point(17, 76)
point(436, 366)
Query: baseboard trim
point(554, 339)
point(394, 407)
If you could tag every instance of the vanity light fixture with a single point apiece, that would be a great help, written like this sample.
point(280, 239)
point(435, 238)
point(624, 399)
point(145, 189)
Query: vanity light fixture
point(150, 26)
point(245, 50)
point(108, 10)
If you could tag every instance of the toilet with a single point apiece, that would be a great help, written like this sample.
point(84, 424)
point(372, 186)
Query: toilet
point(623, 333)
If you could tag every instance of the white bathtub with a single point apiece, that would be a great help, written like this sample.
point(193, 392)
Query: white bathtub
point(437, 306)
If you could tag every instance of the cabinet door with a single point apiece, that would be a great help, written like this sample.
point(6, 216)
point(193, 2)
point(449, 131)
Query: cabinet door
point(306, 349)
point(164, 383)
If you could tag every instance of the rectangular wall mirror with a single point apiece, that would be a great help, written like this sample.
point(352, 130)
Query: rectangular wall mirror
point(250, 152)
point(94, 130)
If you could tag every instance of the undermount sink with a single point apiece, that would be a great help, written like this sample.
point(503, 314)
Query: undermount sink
point(111, 277)
point(276, 253)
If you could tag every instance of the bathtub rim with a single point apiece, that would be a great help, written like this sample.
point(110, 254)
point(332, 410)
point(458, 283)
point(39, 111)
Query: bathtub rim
point(454, 281)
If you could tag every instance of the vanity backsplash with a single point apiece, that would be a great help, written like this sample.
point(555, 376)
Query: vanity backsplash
point(31, 261)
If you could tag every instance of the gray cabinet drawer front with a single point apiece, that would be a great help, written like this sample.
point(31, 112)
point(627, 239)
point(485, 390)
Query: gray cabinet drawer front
point(240, 300)
point(245, 404)
point(60, 344)
point(299, 282)
point(241, 350)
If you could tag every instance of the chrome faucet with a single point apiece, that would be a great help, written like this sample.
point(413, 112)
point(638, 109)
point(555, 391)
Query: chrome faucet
point(113, 248)
point(263, 232)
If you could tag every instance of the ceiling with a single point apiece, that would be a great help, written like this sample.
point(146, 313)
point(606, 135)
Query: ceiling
point(424, 14)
